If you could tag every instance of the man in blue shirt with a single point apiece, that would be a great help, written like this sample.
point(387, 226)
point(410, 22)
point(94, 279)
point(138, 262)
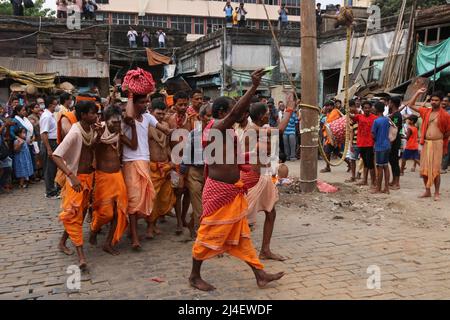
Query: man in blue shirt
point(228, 14)
point(380, 133)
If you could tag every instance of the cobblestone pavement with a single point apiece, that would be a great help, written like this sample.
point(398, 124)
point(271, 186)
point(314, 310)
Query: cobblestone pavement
point(329, 251)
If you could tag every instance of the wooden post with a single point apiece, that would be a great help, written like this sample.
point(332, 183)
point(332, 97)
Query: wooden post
point(309, 141)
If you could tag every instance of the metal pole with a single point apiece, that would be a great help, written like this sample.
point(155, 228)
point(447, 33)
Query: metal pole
point(309, 140)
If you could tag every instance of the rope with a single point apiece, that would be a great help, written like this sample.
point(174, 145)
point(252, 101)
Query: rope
point(344, 17)
point(277, 44)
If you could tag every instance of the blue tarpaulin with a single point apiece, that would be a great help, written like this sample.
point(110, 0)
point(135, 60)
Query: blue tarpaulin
point(426, 56)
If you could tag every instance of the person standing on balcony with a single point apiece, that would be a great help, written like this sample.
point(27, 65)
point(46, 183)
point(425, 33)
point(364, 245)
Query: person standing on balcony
point(283, 17)
point(132, 34)
point(241, 15)
point(161, 38)
point(17, 7)
point(145, 38)
point(228, 9)
point(61, 9)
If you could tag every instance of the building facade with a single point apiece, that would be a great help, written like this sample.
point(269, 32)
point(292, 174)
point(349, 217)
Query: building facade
point(194, 17)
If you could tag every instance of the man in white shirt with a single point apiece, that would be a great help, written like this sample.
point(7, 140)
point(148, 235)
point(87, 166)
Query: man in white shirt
point(136, 168)
point(132, 34)
point(161, 38)
point(48, 128)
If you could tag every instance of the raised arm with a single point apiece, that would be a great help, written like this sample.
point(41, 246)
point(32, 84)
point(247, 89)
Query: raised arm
point(287, 113)
point(412, 102)
point(243, 104)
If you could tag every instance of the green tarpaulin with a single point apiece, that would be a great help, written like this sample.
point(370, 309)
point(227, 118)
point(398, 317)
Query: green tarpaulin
point(426, 56)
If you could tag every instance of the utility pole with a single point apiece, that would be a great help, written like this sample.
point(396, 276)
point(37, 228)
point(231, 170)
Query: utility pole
point(309, 141)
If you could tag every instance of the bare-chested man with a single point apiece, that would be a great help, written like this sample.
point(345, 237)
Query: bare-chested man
point(434, 138)
point(223, 225)
point(110, 195)
point(160, 168)
point(262, 192)
point(74, 157)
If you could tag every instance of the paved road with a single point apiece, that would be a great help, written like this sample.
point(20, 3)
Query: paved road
point(330, 244)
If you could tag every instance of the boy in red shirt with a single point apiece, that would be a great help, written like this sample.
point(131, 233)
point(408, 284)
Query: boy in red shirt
point(365, 142)
point(412, 145)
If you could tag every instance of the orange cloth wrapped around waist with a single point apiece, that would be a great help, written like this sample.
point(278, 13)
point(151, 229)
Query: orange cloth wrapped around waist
point(139, 186)
point(226, 229)
point(73, 205)
point(165, 197)
point(110, 191)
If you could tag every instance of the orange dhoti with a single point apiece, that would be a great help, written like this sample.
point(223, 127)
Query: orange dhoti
point(165, 197)
point(110, 191)
point(139, 187)
point(431, 159)
point(262, 197)
point(224, 226)
point(74, 205)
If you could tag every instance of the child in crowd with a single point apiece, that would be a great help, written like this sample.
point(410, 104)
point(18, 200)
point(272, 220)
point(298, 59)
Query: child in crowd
point(23, 164)
point(412, 145)
point(380, 133)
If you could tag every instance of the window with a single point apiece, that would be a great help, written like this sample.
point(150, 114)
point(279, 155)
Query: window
point(153, 21)
point(199, 25)
point(181, 23)
point(214, 24)
point(102, 1)
point(375, 70)
point(123, 18)
point(252, 24)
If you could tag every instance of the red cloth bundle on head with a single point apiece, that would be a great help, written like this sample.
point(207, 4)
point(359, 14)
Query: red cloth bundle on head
point(139, 82)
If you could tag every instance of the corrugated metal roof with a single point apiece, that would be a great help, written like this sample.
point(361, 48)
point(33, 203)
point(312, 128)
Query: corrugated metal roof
point(77, 68)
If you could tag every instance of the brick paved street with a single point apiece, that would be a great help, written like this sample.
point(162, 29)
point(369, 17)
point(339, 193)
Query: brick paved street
point(330, 240)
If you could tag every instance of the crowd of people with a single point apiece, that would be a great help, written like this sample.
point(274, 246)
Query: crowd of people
point(114, 161)
point(389, 132)
point(145, 37)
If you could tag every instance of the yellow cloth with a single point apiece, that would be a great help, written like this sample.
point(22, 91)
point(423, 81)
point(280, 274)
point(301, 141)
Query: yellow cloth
point(227, 230)
point(165, 197)
point(110, 189)
point(431, 160)
point(73, 205)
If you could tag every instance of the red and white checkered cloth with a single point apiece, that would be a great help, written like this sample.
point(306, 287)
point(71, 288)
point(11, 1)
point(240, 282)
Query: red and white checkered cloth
point(139, 82)
point(217, 194)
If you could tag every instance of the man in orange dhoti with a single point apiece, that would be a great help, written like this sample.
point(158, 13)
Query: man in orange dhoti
point(136, 167)
point(434, 138)
point(160, 168)
point(110, 194)
point(263, 194)
point(223, 225)
point(74, 156)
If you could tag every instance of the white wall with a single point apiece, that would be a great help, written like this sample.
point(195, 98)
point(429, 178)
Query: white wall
point(250, 57)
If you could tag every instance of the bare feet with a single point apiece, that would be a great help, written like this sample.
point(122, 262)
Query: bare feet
point(385, 191)
point(437, 197)
point(157, 230)
point(93, 238)
point(263, 278)
point(109, 249)
point(63, 248)
point(83, 264)
point(427, 194)
point(136, 246)
point(149, 234)
point(200, 284)
point(271, 256)
point(362, 183)
point(325, 170)
point(179, 231)
point(395, 187)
